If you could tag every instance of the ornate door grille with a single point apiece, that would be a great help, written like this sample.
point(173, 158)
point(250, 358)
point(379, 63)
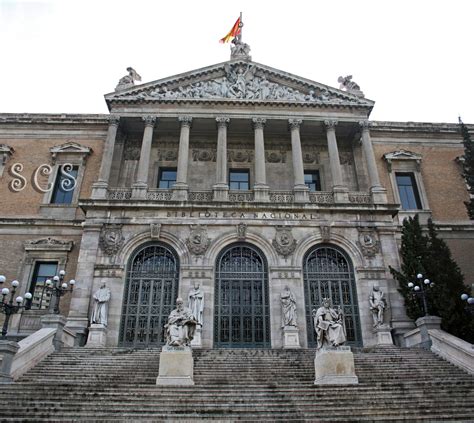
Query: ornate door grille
point(328, 274)
point(150, 293)
point(242, 317)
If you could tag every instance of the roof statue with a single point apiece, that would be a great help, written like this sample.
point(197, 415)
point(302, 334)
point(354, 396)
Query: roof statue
point(347, 84)
point(238, 49)
point(128, 80)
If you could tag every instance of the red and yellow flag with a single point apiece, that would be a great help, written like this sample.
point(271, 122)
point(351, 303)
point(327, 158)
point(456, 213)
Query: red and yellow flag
point(236, 29)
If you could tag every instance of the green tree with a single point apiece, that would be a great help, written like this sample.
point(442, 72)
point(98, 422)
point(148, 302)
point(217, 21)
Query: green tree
point(468, 167)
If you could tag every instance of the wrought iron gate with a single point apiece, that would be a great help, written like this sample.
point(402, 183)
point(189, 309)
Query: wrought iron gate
point(151, 289)
point(328, 274)
point(242, 318)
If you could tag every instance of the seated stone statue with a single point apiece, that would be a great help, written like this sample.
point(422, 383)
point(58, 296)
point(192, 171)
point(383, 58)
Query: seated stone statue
point(181, 326)
point(329, 326)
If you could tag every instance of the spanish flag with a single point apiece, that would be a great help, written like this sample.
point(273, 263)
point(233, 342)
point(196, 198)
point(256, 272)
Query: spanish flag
point(236, 29)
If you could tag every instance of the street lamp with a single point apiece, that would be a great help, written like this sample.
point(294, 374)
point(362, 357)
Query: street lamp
point(420, 288)
point(11, 306)
point(469, 303)
point(58, 288)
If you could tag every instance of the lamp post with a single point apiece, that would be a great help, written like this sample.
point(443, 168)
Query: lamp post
point(11, 306)
point(58, 288)
point(420, 288)
point(469, 303)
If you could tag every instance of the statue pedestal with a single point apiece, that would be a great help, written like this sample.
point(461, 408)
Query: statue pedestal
point(384, 336)
point(176, 366)
point(291, 338)
point(97, 336)
point(196, 342)
point(335, 366)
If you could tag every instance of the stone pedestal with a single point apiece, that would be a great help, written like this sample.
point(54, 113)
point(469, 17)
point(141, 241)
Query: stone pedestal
point(97, 336)
point(384, 336)
point(55, 321)
point(197, 342)
point(176, 366)
point(139, 191)
point(221, 192)
point(180, 192)
point(425, 324)
point(291, 338)
point(8, 349)
point(335, 366)
point(301, 193)
point(99, 190)
point(379, 195)
point(261, 193)
point(341, 194)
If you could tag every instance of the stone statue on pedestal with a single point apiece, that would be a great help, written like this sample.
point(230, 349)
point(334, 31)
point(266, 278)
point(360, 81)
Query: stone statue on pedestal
point(181, 326)
point(288, 308)
point(101, 306)
point(196, 302)
point(377, 305)
point(128, 81)
point(329, 325)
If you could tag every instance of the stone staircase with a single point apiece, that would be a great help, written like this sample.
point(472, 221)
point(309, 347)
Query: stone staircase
point(115, 384)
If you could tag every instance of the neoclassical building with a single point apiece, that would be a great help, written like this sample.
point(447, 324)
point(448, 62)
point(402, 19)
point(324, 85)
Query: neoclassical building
point(237, 177)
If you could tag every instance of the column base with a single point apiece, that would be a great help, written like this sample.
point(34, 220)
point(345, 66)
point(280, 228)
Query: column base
point(301, 193)
point(99, 190)
point(139, 191)
point(221, 192)
point(261, 193)
point(97, 336)
point(291, 338)
point(176, 367)
point(8, 349)
point(180, 192)
point(335, 366)
point(384, 336)
point(341, 194)
point(379, 195)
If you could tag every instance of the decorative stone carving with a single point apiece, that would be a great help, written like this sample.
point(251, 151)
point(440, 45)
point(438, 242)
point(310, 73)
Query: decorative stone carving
point(295, 123)
point(258, 123)
point(222, 121)
point(198, 241)
point(149, 120)
point(111, 239)
point(49, 244)
point(329, 325)
point(346, 158)
point(155, 230)
point(131, 150)
point(128, 81)
point(239, 49)
point(240, 156)
point(185, 120)
point(203, 155)
point(275, 156)
point(347, 84)
point(288, 308)
point(70, 148)
point(181, 326)
point(196, 302)
point(325, 233)
point(101, 305)
point(368, 242)
point(377, 305)
point(403, 155)
point(5, 153)
point(168, 155)
point(311, 157)
point(284, 243)
point(241, 231)
point(330, 124)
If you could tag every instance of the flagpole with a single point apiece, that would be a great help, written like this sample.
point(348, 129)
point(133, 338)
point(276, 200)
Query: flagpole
point(241, 27)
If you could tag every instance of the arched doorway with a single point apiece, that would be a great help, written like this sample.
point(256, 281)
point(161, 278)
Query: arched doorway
point(328, 273)
point(151, 289)
point(242, 315)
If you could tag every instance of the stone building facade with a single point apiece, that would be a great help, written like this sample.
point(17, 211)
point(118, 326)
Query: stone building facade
point(238, 177)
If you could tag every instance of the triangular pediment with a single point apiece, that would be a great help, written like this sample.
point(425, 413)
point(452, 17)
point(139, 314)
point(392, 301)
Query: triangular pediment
point(402, 155)
point(238, 81)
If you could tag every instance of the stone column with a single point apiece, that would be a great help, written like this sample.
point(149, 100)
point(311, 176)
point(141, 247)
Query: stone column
point(339, 190)
point(221, 188)
point(99, 188)
point(300, 189)
point(78, 318)
point(260, 187)
point(180, 189)
point(140, 186)
point(379, 194)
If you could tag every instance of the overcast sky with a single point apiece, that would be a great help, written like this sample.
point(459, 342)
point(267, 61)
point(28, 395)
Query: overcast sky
point(414, 58)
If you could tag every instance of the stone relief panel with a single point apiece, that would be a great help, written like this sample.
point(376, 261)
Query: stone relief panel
point(275, 156)
point(203, 155)
point(241, 231)
point(111, 239)
point(368, 242)
point(168, 155)
point(198, 242)
point(155, 230)
point(284, 242)
point(240, 156)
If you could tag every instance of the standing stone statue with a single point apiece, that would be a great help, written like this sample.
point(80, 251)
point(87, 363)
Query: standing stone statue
point(377, 305)
point(101, 305)
point(181, 326)
point(288, 308)
point(196, 302)
point(329, 325)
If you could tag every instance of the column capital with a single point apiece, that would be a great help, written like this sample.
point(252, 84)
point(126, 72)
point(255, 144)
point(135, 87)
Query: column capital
point(258, 123)
point(149, 120)
point(295, 123)
point(365, 125)
point(186, 121)
point(330, 124)
point(113, 120)
point(222, 121)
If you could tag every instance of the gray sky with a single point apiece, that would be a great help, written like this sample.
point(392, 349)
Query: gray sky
point(413, 57)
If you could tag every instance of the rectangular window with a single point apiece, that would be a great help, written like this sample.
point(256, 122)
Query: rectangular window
point(312, 180)
point(167, 178)
point(409, 197)
point(41, 298)
point(239, 179)
point(66, 181)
